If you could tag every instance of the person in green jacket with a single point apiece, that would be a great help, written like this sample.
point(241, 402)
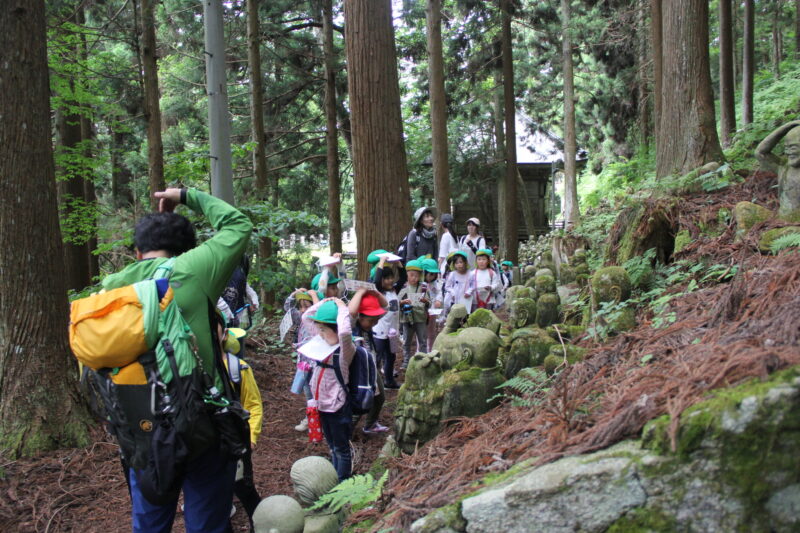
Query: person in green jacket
point(199, 276)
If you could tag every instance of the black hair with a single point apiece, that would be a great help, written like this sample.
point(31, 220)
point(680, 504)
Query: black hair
point(334, 327)
point(449, 227)
point(387, 272)
point(418, 223)
point(164, 231)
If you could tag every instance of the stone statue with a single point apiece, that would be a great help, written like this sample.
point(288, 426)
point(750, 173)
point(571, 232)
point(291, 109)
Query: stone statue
point(522, 312)
point(788, 168)
point(484, 318)
point(529, 347)
point(278, 514)
point(455, 379)
point(612, 284)
point(311, 478)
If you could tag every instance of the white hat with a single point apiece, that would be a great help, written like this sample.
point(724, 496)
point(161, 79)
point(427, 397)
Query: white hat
point(474, 220)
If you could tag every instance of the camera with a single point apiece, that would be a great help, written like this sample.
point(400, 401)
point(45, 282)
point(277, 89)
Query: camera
point(406, 309)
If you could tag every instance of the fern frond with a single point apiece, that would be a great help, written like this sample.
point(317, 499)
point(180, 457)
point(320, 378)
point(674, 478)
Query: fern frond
point(785, 241)
point(357, 492)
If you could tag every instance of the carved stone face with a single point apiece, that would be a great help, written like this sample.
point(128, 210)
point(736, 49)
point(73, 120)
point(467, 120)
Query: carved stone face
point(791, 147)
point(523, 312)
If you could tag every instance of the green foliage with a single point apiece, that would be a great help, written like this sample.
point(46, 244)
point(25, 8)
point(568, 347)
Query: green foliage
point(606, 316)
point(640, 268)
point(790, 240)
point(527, 389)
point(356, 492)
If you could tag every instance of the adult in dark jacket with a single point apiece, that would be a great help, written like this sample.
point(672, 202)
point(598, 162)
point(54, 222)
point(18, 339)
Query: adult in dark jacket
point(422, 240)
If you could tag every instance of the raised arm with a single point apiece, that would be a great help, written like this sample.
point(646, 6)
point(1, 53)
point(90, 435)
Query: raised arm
point(770, 161)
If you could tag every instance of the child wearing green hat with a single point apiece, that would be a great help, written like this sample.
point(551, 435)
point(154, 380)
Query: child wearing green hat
point(434, 295)
point(414, 305)
point(389, 281)
point(330, 319)
point(460, 286)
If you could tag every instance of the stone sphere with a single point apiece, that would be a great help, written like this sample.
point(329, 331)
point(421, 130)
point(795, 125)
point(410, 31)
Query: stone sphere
point(279, 514)
point(312, 477)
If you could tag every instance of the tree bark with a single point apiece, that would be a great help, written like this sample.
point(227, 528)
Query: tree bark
point(688, 132)
point(265, 251)
point(748, 62)
point(509, 246)
point(441, 167)
point(572, 213)
point(219, 122)
point(797, 29)
point(656, 46)
point(90, 196)
point(379, 157)
point(643, 86)
point(36, 414)
point(498, 121)
point(152, 108)
point(331, 131)
point(777, 38)
point(121, 192)
point(726, 84)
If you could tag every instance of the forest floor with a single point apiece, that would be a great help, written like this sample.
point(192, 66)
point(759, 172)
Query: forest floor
point(84, 490)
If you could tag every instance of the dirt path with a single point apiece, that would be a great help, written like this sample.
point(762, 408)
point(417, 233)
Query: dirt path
point(83, 490)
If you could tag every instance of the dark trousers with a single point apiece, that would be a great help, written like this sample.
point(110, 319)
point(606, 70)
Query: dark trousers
point(244, 488)
point(337, 428)
point(207, 496)
point(384, 355)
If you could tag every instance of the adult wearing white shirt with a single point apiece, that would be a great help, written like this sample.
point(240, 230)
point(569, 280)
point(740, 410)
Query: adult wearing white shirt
point(448, 242)
point(472, 241)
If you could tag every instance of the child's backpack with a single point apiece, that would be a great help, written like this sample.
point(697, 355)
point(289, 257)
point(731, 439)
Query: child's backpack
point(158, 400)
point(363, 380)
point(403, 246)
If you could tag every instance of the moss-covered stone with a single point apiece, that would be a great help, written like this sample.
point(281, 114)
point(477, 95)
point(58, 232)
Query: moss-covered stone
point(544, 284)
point(748, 214)
point(529, 346)
point(790, 216)
point(643, 520)
point(522, 312)
point(769, 236)
point(520, 291)
point(484, 318)
point(547, 310)
point(754, 431)
point(545, 272)
point(682, 240)
point(611, 284)
point(551, 362)
point(575, 354)
point(567, 275)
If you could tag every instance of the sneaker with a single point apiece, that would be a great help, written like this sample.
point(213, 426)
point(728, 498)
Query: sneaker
point(302, 426)
point(391, 385)
point(375, 428)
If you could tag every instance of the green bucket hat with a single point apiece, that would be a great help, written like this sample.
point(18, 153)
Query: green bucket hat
point(373, 258)
point(327, 313)
point(303, 296)
point(484, 251)
point(431, 266)
point(508, 264)
point(332, 280)
point(414, 264)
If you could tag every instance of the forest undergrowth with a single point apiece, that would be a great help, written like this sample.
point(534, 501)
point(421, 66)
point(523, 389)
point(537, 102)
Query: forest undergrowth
point(722, 334)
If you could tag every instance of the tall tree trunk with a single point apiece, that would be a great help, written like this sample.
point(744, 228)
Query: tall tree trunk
point(87, 139)
point(265, 250)
point(777, 38)
point(331, 132)
point(688, 132)
point(726, 84)
point(643, 87)
point(498, 122)
point(748, 62)
point(89, 194)
point(525, 205)
point(379, 157)
point(509, 246)
point(219, 122)
point(572, 213)
point(36, 414)
point(656, 30)
point(152, 107)
point(71, 195)
point(121, 192)
point(441, 167)
point(797, 29)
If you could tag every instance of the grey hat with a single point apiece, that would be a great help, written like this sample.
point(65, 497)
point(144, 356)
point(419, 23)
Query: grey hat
point(421, 211)
point(447, 218)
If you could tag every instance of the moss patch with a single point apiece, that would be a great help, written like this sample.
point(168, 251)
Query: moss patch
point(643, 520)
point(682, 240)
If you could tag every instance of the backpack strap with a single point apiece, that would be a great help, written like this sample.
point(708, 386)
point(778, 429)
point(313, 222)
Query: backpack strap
point(167, 267)
point(234, 368)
